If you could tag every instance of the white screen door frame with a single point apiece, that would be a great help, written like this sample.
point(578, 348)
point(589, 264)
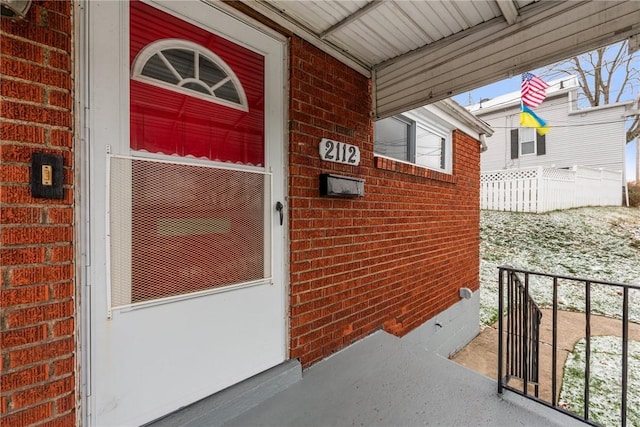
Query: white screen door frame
point(144, 362)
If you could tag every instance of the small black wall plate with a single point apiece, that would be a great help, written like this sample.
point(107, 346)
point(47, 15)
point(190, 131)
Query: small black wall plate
point(47, 176)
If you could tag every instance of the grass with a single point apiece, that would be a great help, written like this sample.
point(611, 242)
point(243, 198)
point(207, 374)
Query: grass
point(605, 381)
point(597, 243)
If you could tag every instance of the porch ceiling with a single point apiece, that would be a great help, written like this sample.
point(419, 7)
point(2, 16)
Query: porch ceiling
point(418, 52)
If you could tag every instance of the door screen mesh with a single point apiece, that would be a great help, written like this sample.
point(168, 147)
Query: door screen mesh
point(177, 229)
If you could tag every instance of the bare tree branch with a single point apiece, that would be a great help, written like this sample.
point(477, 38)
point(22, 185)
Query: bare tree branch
point(584, 83)
point(627, 76)
point(605, 75)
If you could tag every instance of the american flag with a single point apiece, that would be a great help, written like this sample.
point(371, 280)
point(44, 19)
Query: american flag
point(532, 90)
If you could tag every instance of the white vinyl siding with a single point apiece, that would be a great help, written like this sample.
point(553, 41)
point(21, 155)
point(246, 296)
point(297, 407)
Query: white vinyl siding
point(592, 137)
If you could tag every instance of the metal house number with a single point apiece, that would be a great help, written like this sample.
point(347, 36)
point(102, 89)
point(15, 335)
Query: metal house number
point(339, 152)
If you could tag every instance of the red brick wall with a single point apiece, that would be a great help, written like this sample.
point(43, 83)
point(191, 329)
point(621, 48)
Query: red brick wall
point(37, 282)
point(392, 259)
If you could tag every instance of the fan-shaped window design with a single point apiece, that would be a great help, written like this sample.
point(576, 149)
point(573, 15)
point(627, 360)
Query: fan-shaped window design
point(189, 68)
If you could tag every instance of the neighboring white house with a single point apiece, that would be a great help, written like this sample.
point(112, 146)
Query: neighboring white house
point(579, 162)
point(592, 137)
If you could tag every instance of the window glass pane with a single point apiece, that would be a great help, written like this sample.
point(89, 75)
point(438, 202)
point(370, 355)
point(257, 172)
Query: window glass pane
point(157, 69)
point(182, 60)
point(528, 147)
point(228, 92)
point(527, 140)
point(429, 149)
point(391, 138)
point(527, 134)
point(210, 73)
point(198, 87)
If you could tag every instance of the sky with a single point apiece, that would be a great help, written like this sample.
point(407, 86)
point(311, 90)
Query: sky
point(513, 85)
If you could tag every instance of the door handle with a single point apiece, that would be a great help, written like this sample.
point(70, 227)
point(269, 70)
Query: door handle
point(280, 208)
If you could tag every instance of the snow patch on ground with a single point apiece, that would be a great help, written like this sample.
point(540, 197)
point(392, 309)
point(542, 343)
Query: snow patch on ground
point(605, 381)
point(598, 243)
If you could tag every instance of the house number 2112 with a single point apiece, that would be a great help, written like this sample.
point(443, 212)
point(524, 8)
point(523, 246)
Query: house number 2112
point(339, 152)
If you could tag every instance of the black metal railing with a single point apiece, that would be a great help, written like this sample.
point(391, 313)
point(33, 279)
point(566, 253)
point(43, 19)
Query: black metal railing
point(519, 332)
point(523, 333)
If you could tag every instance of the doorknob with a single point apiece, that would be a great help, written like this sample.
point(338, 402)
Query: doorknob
point(280, 208)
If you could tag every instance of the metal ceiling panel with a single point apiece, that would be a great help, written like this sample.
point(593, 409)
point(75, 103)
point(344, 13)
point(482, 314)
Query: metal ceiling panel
point(488, 9)
point(419, 52)
point(384, 31)
point(349, 40)
point(374, 31)
point(418, 17)
point(317, 15)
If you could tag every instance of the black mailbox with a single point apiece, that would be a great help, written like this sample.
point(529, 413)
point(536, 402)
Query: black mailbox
point(341, 186)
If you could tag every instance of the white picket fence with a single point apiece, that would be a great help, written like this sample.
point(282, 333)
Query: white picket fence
point(540, 189)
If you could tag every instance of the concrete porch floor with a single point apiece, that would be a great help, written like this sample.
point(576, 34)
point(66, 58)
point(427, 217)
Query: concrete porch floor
point(383, 380)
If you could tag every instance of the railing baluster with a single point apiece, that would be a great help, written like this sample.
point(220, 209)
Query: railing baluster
point(525, 339)
point(514, 336)
point(518, 321)
point(625, 354)
point(510, 324)
point(500, 331)
point(537, 358)
point(520, 331)
point(521, 334)
point(554, 345)
point(516, 318)
point(534, 345)
point(587, 336)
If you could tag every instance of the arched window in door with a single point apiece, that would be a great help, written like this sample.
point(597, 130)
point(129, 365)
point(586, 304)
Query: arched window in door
point(189, 68)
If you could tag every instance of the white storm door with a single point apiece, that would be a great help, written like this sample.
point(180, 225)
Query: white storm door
point(187, 275)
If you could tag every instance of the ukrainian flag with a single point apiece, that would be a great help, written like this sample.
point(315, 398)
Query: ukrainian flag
point(530, 119)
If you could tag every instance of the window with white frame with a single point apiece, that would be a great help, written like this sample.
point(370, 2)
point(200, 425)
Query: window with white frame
point(527, 141)
point(414, 141)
